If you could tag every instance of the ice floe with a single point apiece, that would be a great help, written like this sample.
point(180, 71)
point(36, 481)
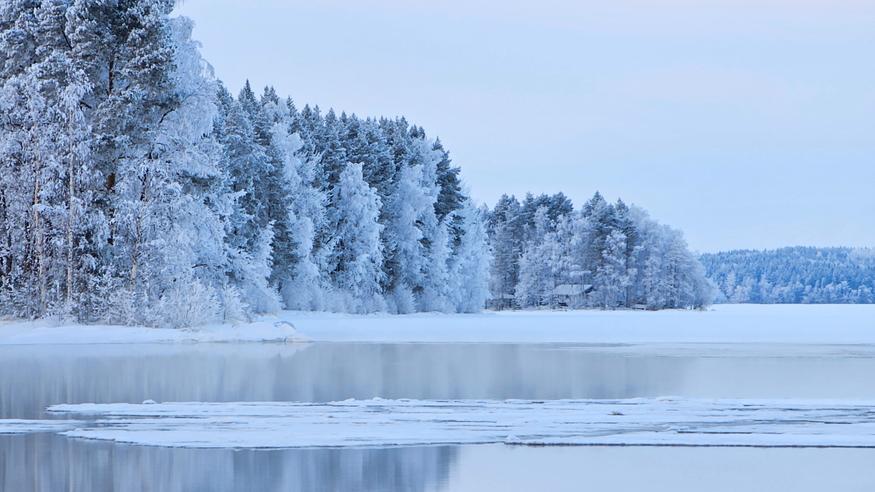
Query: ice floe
point(381, 423)
point(22, 426)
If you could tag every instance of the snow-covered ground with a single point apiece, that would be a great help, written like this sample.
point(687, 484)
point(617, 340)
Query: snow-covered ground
point(49, 332)
point(379, 423)
point(748, 323)
point(725, 323)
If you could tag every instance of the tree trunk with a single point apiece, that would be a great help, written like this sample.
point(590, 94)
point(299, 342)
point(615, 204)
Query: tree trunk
point(138, 229)
point(39, 242)
point(71, 190)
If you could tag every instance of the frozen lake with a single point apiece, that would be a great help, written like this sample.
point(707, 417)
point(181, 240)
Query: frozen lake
point(35, 377)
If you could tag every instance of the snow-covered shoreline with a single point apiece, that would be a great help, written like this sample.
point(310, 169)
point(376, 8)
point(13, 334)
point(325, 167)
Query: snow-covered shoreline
point(721, 324)
point(48, 333)
point(724, 323)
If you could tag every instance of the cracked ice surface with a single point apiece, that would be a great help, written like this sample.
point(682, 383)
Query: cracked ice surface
point(381, 423)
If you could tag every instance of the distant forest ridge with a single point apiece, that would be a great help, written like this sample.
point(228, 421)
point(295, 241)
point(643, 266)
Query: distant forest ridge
point(794, 275)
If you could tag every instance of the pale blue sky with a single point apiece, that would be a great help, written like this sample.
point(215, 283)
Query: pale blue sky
point(744, 123)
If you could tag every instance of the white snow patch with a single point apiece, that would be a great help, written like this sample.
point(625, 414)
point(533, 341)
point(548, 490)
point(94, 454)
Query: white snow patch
point(381, 423)
point(268, 329)
point(724, 323)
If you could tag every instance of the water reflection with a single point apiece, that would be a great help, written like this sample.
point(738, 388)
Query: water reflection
point(32, 378)
point(50, 463)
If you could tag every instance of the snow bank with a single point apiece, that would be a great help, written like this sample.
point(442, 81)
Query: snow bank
point(380, 423)
point(739, 323)
point(45, 332)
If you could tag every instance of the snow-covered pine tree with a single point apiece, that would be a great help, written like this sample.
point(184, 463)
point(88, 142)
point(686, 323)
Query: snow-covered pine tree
point(625, 225)
point(247, 241)
point(450, 197)
point(357, 255)
point(794, 275)
point(506, 233)
point(134, 188)
point(410, 217)
point(184, 243)
point(600, 221)
point(405, 238)
point(537, 279)
point(305, 288)
point(128, 53)
point(589, 254)
point(470, 261)
point(611, 276)
point(152, 158)
point(436, 293)
point(30, 161)
point(49, 226)
point(282, 149)
point(299, 213)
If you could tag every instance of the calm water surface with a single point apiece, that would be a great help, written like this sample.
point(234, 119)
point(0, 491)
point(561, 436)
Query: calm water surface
point(32, 378)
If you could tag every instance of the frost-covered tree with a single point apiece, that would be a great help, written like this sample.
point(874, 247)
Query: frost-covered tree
point(304, 286)
point(134, 188)
point(794, 275)
point(410, 215)
point(603, 256)
point(450, 197)
point(278, 185)
point(507, 238)
point(471, 260)
point(248, 233)
point(356, 251)
point(436, 294)
point(46, 182)
point(169, 201)
point(612, 275)
point(537, 278)
point(127, 205)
